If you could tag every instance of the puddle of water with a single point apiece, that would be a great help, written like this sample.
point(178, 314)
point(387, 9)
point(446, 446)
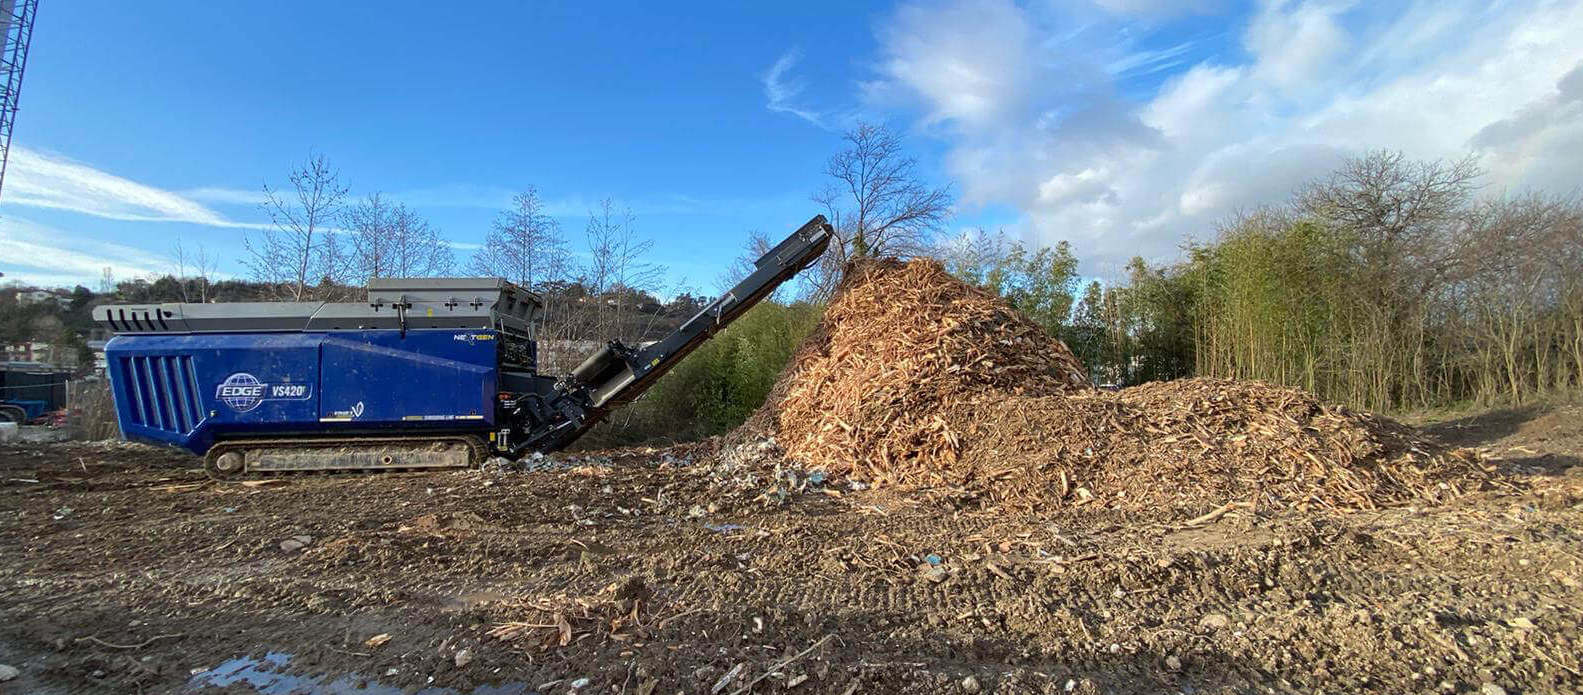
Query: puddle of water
point(266, 676)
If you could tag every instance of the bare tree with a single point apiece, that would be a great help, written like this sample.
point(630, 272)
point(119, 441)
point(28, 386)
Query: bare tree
point(635, 275)
point(524, 246)
point(1402, 212)
point(393, 241)
point(416, 247)
point(756, 246)
point(877, 202)
point(602, 232)
point(202, 265)
point(299, 251)
point(335, 260)
point(1400, 218)
point(1516, 287)
point(619, 271)
point(368, 224)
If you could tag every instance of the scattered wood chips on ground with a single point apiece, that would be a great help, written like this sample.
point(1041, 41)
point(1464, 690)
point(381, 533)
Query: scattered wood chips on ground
point(616, 613)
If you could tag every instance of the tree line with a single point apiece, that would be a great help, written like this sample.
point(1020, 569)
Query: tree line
point(1388, 284)
point(323, 244)
point(1392, 284)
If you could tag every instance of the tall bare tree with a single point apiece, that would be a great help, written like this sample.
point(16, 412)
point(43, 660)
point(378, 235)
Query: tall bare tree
point(1400, 217)
point(877, 201)
point(524, 245)
point(1401, 211)
point(602, 233)
point(390, 240)
point(200, 262)
point(368, 224)
point(416, 249)
point(299, 255)
point(619, 271)
point(1519, 269)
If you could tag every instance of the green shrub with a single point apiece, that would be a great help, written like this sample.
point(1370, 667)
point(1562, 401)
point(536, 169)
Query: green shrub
point(715, 388)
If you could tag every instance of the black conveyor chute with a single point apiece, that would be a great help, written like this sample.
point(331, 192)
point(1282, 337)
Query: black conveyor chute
point(617, 374)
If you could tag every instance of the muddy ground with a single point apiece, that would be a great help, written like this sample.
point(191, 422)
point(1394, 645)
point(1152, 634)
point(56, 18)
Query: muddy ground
point(124, 570)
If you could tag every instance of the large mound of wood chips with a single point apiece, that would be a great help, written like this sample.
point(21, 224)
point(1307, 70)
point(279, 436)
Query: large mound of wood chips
point(916, 379)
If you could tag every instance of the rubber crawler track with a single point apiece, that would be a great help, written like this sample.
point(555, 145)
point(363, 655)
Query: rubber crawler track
point(477, 452)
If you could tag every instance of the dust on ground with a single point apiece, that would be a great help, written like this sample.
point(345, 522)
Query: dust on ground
point(663, 571)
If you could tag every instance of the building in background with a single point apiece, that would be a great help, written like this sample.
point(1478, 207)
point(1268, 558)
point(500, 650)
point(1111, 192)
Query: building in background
point(38, 296)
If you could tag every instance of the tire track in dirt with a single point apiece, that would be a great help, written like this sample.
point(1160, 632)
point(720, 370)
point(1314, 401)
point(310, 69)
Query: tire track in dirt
point(1477, 590)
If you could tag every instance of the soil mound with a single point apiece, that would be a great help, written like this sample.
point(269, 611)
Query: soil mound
point(917, 379)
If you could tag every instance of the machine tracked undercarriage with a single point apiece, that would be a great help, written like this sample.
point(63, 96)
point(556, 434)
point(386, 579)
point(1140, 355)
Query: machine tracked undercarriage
point(428, 373)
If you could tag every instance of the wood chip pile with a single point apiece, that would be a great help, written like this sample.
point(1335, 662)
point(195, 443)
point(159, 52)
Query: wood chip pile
point(916, 379)
point(903, 342)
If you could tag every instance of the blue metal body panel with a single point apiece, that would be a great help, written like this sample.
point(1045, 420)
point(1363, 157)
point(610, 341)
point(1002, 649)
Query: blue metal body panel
point(189, 390)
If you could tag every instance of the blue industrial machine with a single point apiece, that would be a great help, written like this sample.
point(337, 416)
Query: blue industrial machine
point(29, 390)
point(21, 411)
point(428, 373)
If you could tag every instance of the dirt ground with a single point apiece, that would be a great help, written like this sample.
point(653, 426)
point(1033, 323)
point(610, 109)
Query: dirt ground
point(125, 570)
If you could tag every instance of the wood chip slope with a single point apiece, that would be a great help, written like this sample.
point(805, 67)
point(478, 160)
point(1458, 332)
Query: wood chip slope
point(916, 379)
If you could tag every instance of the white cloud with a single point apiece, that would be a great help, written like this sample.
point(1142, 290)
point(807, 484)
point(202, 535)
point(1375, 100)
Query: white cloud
point(37, 179)
point(781, 89)
point(38, 254)
point(226, 196)
point(1520, 147)
point(1027, 100)
point(1085, 186)
point(1149, 62)
point(1160, 8)
point(1296, 44)
point(972, 63)
point(1180, 111)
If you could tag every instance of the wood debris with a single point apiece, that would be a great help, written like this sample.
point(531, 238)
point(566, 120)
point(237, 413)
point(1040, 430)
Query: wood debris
point(617, 613)
point(917, 380)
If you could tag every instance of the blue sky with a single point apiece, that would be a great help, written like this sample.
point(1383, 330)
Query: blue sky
point(1120, 125)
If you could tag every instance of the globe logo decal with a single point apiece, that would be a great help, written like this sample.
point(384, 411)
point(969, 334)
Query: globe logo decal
point(241, 391)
